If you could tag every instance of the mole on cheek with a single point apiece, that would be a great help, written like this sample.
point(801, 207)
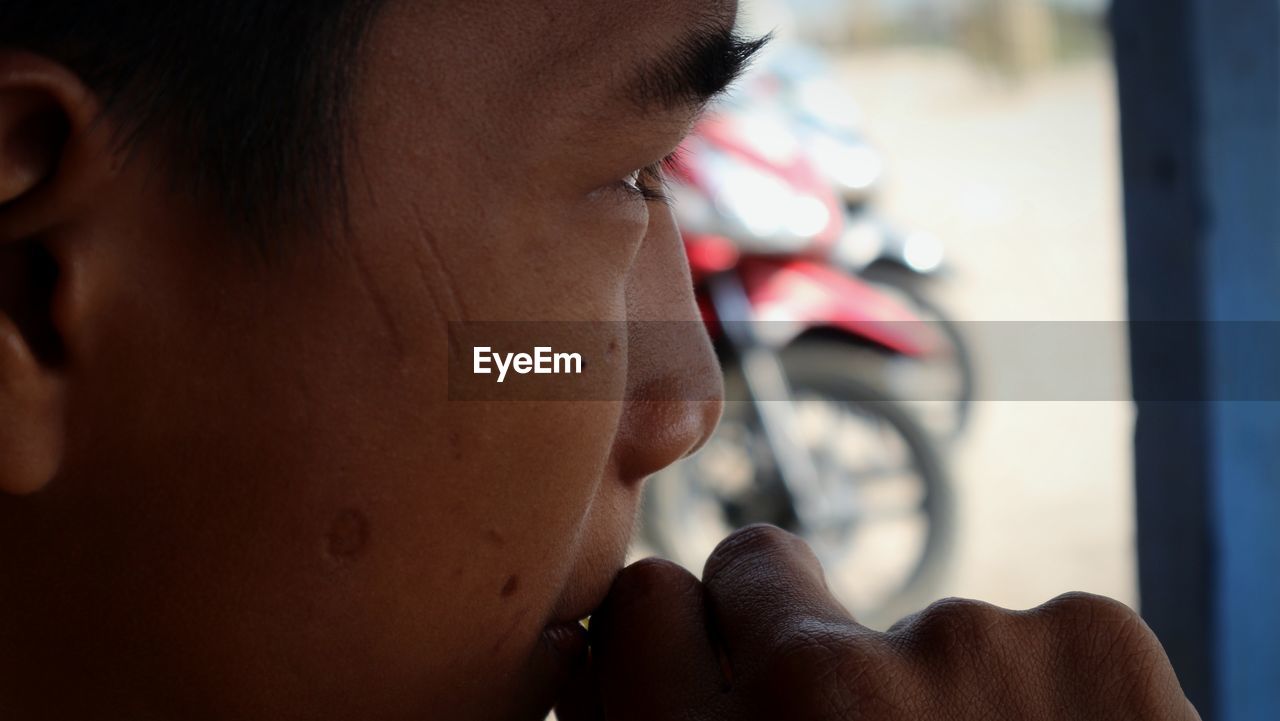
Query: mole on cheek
point(511, 586)
point(348, 534)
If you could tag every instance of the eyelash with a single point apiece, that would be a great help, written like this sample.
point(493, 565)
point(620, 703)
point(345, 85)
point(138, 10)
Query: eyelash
point(651, 182)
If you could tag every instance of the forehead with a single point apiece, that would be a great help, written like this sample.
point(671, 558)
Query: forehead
point(465, 104)
point(533, 60)
point(577, 33)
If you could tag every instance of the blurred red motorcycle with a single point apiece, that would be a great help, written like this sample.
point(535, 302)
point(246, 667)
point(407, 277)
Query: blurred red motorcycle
point(805, 443)
point(798, 83)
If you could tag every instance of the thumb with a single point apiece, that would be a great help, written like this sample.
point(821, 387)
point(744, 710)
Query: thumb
point(652, 649)
point(763, 586)
point(580, 697)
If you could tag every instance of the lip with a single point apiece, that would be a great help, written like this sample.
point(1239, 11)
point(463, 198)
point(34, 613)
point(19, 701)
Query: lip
point(565, 633)
point(582, 598)
point(568, 641)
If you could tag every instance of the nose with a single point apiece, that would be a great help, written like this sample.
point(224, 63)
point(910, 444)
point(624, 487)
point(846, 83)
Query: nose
point(674, 408)
point(675, 391)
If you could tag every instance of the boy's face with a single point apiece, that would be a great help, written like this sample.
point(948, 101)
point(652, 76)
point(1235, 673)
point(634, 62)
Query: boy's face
point(265, 506)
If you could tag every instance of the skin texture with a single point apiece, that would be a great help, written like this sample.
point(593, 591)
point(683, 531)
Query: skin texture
point(236, 489)
point(761, 637)
point(255, 500)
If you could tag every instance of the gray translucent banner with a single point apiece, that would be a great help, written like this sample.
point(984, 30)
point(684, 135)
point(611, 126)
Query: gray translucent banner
point(913, 361)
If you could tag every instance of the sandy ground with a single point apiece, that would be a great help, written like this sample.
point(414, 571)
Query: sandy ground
point(1023, 185)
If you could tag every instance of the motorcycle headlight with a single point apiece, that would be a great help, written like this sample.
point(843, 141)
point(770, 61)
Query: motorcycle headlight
point(763, 210)
point(854, 166)
point(861, 243)
point(923, 253)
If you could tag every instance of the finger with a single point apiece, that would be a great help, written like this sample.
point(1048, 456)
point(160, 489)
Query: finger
point(1109, 654)
point(651, 650)
point(558, 658)
point(766, 588)
point(580, 700)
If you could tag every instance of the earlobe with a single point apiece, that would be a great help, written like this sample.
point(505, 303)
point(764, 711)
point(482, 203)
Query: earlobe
point(31, 427)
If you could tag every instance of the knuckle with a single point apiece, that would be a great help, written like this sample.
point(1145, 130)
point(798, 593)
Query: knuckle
point(953, 624)
point(1104, 635)
point(1078, 604)
point(750, 543)
point(1113, 657)
point(1089, 614)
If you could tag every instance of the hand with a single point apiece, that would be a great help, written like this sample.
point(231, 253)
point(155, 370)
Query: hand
point(761, 637)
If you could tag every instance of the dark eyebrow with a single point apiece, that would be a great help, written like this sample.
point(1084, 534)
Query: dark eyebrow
point(700, 67)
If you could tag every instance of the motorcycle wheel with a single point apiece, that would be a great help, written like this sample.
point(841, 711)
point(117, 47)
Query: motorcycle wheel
point(943, 405)
point(886, 544)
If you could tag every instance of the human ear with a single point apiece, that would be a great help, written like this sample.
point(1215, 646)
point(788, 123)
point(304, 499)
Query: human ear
point(49, 158)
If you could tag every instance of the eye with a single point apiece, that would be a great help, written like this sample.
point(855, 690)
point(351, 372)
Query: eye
point(650, 182)
point(633, 181)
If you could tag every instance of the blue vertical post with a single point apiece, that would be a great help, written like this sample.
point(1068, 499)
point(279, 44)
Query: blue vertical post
point(1200, 119)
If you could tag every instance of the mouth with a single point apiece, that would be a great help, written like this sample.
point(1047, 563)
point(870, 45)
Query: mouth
point(568, 641)
point(567, 631)
point(583, 593)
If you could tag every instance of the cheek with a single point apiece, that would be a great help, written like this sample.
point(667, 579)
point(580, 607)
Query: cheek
point(465, 570)
point(457, 523)
point(557, 264)
point(352, 525)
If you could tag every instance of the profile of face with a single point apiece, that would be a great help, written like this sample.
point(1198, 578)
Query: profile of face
point(239, 490)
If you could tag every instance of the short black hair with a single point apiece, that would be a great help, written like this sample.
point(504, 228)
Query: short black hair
point(247, 98)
